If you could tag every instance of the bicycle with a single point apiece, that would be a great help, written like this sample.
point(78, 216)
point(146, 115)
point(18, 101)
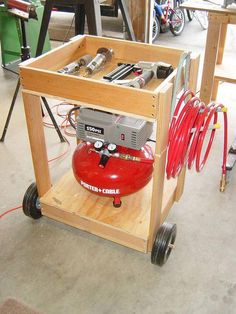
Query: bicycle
point(174, 19)
point(200, 16)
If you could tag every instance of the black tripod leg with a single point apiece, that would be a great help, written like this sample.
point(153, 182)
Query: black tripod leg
point(10, 111)
point(127, 20)
point(79, 19)
point(44, 26)
point(93, 14)
point(53, 119)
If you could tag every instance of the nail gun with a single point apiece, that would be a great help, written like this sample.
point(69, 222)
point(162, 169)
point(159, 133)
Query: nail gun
point(145, 71)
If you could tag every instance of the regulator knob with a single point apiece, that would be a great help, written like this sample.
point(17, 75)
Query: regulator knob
point(112, 148)
point(98, 145)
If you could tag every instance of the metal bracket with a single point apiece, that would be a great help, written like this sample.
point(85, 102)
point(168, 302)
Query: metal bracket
point(231, 159)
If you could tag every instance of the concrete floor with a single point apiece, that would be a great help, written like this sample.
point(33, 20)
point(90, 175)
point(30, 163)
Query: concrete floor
point(59, 269)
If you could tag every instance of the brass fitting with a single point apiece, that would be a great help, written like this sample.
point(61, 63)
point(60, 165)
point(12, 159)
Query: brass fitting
point(223, 183)
point(224, 109)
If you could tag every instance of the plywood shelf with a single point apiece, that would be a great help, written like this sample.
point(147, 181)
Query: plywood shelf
point(129, 225)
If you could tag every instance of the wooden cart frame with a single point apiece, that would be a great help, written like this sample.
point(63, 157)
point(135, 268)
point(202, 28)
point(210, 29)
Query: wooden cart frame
point(136, 222)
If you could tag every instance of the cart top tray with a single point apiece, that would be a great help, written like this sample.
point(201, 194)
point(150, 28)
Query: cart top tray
point(40, 77)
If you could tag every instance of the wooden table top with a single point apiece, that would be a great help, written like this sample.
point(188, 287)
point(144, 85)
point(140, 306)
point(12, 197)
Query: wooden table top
point(206, 6)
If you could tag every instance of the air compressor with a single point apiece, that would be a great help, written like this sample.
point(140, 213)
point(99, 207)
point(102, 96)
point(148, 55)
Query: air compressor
point(113, 158)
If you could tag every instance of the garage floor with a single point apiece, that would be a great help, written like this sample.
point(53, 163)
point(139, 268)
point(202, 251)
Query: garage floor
point(59, 269)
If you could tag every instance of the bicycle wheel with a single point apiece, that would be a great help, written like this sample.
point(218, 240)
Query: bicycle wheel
point(155, 29)
point(202, 18)
point(177, 21)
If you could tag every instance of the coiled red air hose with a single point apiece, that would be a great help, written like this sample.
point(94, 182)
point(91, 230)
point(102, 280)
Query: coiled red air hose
point(188, 129)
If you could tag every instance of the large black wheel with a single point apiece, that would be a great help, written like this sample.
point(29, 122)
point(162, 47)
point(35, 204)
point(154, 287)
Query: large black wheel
point(163, 243)
point(177, 21)
point(31, 205)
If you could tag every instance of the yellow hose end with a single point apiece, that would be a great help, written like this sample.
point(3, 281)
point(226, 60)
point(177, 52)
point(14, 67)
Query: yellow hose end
point(224, 109)
point(217, 126)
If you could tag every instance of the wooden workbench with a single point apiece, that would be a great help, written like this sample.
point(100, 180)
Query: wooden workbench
point(213, 70)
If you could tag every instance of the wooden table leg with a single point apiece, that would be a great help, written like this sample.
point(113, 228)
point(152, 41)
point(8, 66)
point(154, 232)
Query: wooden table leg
point(215, 89)
point(223, 33)
point(156, 218)
point(211, 51)
point(34, 121)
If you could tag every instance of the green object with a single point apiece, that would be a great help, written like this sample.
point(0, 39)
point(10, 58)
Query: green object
point(10, 34)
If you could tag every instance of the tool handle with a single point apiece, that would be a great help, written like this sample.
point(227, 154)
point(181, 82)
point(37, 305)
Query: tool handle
point(142, 79)
point(119, 73)
point(163, 71)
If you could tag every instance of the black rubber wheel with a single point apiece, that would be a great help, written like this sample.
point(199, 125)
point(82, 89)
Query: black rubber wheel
point(163, 243)
point(177, 21)
point(31, 205)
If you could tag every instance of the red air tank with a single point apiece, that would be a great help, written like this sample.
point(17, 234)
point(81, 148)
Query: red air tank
point(124, 172)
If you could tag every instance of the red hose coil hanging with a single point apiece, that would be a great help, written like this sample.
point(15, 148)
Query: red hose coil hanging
point(189, 125)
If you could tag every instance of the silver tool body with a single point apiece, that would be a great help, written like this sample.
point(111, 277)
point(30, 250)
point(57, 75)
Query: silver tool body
point(103, 55)
point(76, 65)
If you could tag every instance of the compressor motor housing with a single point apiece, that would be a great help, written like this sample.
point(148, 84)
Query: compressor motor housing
point(113, 158)
point(94, 125)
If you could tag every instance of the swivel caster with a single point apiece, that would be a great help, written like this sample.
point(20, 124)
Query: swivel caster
point(31, 205)
point(163, 243)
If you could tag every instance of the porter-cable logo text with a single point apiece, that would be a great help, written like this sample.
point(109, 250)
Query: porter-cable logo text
point(99, 190)
point(94, 129)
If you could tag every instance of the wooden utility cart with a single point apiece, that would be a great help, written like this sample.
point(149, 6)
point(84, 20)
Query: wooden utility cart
point(136, 222)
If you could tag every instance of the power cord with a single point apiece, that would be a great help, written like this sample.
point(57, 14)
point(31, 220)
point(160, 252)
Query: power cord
point(64, 125)
point(9, 211)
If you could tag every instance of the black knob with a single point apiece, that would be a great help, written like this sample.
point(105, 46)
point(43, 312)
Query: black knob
point(98, 145)
point(112, 148)
point(164, 71)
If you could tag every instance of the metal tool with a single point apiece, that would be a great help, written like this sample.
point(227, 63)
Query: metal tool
point(159, 70)
point(138, 82)
point(122, 71)
point(22, 9)
point(75, 66)
point(103, 55)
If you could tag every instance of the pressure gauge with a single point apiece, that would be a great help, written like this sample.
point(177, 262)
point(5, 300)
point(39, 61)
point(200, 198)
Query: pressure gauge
point(112, 148)
point(98, 145)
